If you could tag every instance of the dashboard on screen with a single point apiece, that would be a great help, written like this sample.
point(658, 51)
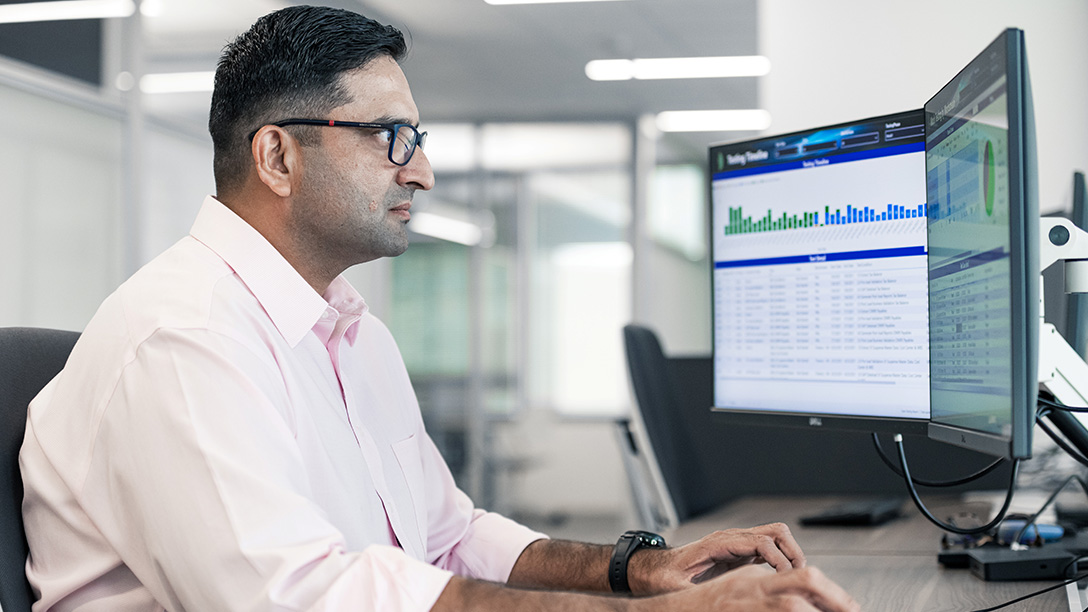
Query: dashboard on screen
point(983, 263)
point(820, 276)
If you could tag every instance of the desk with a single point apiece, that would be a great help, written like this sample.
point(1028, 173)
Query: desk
point(889, 568)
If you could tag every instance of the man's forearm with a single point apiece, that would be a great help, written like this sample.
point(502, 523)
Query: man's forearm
point(559, 564)
point(574, 566)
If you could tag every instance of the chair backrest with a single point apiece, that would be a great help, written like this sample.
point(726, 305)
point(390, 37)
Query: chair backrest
point(29, 359)
point(659, 406)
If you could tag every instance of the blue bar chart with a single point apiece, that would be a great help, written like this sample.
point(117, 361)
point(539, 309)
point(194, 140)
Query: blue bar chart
point(741, 223)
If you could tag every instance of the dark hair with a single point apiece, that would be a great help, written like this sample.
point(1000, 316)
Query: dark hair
point(288, 65)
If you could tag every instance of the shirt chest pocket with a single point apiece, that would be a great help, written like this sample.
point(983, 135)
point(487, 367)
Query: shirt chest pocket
point(411, 467)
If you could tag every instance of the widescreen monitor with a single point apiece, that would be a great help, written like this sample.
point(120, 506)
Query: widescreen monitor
point(819, 277)
point(983, 254)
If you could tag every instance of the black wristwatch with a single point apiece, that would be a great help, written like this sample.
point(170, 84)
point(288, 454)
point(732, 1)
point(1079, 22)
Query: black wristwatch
point(628, 543)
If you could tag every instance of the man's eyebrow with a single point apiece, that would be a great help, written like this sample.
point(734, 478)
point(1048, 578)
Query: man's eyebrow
point(393, 119)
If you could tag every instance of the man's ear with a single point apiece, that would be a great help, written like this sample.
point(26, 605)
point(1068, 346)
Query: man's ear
point(276, 158)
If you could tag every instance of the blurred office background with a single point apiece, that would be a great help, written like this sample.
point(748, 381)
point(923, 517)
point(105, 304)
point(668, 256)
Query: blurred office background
point(564, 208)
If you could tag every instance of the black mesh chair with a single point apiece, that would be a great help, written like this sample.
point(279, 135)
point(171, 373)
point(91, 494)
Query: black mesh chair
point(29, 358)
point(673, 397)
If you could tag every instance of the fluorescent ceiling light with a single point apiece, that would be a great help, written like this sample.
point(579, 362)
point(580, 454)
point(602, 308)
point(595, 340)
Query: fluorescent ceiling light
point(713, 121)
point(177, 82)
point(503, 2)
point(593, 255)
point(525, 146)
point(678, 68)
point(65, 10)
point(445, 228)
point(152, 8)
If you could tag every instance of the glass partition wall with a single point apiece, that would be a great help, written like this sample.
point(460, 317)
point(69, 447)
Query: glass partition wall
point(526, 316)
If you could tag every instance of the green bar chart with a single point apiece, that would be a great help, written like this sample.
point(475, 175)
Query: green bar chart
point(744, 222)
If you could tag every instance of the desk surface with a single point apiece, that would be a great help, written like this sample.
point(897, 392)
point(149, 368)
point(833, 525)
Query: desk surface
point(892, 567)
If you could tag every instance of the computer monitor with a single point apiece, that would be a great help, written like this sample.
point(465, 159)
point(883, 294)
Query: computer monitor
point(819, 277)
point(981, 183)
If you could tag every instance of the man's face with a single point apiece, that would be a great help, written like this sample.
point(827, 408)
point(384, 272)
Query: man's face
point(353, 202)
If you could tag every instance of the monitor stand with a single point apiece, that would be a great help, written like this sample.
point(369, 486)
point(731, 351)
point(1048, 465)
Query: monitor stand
point(1062, 371)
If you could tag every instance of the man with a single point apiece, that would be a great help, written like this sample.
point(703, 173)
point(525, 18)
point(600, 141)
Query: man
point(235, 432)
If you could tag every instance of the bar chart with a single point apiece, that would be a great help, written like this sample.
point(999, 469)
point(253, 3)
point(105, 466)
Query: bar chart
point(742, 223)
point(820, 282)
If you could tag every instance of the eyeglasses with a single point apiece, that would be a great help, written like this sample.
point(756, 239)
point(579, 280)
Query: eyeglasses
point(403, 137)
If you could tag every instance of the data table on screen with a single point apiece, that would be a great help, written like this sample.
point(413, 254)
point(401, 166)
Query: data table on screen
point(824, 293)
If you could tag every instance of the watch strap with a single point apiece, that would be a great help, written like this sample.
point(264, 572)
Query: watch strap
point(626, 546)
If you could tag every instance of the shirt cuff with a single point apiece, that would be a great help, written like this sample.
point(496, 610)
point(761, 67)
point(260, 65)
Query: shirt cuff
point(384, 578)
point(491, 547)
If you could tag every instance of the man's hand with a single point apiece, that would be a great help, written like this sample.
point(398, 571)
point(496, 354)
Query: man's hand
point(651, 571)
point(753, 589)
point(749, 589)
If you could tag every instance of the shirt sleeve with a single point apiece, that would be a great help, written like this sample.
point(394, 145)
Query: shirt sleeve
point(465, 540)
point(197, 481)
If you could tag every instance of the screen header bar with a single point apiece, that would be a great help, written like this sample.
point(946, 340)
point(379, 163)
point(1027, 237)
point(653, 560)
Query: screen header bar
point(795, 148)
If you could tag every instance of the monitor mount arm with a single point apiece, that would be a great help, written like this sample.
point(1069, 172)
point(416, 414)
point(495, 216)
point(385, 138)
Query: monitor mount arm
point(1062, 371)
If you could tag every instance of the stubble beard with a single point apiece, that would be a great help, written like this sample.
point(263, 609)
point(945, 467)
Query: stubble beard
point(391, 233)
point(365, 230)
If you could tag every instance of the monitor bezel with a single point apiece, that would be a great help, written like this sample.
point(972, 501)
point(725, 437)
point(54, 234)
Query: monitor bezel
point(1023, 259)
point(787, 418)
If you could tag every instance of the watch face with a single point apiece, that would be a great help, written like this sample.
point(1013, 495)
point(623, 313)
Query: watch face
point(654, 541)
point(647, 538)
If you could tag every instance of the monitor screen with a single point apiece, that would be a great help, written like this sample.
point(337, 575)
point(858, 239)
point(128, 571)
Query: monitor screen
point(983, 254)
point(819, 277)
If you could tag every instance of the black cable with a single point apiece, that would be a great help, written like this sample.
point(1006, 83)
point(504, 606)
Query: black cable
point(1031, 520)
point(1060, 406)
point(1062, 443)
point(933, 483)
point(1046, 407)
point(952, 528)
point(1035, 594)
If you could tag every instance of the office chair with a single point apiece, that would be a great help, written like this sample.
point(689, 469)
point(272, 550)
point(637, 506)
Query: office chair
point(675, 467)
point(29, 358)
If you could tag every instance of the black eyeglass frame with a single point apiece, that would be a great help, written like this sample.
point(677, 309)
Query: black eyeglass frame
point(418, 140)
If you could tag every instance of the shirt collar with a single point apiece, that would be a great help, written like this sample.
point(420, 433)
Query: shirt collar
point(292, 304)
point(348, 305)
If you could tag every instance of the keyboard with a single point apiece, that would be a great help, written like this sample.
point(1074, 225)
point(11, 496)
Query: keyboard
point(862, 512)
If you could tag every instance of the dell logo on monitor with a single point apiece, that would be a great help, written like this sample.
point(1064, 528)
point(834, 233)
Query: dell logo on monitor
point(815, 421)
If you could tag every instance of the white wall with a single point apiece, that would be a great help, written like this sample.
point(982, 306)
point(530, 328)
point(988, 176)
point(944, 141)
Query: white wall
point(178, 176)
point(678, 308)
point(61, 241)
point(839, 60)
point(60, 190)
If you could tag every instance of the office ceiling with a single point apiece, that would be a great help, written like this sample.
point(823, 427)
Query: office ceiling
point(470, 61)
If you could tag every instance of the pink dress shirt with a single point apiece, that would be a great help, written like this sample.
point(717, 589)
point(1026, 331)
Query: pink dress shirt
point(224, 438)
